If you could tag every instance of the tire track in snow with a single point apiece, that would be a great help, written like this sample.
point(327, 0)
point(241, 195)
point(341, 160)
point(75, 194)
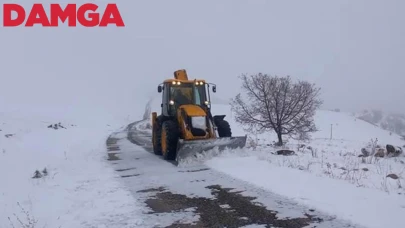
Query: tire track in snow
point(198, 196)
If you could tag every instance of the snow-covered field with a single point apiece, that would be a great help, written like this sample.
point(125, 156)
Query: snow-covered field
point(80, 189)
point(326, 172)
point(74, 185)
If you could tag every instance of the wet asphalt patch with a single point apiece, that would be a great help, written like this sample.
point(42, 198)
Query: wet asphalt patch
point(193, 171)
point(113, 157)
point(131, 175)
point(111, 141)
point(226, 209)
point(112, 149)
point(122, 170)
point(115, 148)
point(160, 189)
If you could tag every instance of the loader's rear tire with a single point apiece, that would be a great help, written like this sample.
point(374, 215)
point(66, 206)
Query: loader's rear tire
point(224, 129)
point(170, 136)
point(157, 141)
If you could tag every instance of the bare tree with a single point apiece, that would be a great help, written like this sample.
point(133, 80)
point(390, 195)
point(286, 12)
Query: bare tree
point(277, 104)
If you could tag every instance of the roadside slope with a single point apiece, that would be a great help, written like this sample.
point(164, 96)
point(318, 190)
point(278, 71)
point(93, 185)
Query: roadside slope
point(73, 186)
point(325, 171)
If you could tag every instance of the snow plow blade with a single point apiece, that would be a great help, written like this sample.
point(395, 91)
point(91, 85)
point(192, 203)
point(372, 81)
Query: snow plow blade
point(189, 150)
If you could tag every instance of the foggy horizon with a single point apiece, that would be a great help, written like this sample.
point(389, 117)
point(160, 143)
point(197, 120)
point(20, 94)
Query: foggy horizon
point(352, 50)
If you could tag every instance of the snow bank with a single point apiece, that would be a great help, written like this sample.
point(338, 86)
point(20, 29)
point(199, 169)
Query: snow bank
point(366, 207)
point(78, 189)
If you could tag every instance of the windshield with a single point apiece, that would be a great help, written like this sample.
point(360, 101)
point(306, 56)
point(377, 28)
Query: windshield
point(183, 94)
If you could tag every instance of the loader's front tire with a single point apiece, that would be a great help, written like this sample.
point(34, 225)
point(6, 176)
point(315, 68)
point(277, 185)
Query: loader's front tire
point(224, 129)
point(170, 136)
point(157, 141)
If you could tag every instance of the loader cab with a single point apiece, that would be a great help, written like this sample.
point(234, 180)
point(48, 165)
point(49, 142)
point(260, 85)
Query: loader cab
point(177, 92)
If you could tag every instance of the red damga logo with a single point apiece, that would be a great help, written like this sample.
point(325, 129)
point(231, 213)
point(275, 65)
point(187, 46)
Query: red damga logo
point(86, 14)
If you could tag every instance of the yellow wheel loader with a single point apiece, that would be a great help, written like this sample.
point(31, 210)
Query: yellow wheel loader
point(185, 127)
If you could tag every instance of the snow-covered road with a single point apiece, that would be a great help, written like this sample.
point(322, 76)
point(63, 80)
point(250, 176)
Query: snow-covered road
point(181, 196)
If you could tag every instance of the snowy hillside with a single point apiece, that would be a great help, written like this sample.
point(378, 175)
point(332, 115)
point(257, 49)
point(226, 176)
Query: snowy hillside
point(54, 172)
point(387, 121)
point(345, 128)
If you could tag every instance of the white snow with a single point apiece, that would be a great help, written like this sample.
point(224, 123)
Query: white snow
point(80, 189)
point(336, 197)
point(198, 122)
point(394, 122)
point(328, 175)
point(193, 182)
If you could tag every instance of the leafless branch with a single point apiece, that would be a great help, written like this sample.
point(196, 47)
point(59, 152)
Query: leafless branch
point(278, 104)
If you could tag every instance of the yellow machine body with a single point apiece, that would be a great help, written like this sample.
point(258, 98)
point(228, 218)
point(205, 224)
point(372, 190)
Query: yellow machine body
point(184, 130)
point(192, 111)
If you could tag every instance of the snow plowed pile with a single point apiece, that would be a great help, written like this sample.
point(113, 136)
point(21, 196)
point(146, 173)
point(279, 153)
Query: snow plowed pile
point(53, 173)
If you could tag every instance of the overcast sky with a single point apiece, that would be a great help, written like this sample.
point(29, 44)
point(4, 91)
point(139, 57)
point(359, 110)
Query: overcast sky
point(354, 50)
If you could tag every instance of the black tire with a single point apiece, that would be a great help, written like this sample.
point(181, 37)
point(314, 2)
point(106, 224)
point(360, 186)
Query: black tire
point(157, 141)
point(224, 129)
point(170, 132)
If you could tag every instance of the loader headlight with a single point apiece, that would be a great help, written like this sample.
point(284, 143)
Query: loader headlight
point(171, 102)
point(174, 83)
point(178, 83)
point(207, 102)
